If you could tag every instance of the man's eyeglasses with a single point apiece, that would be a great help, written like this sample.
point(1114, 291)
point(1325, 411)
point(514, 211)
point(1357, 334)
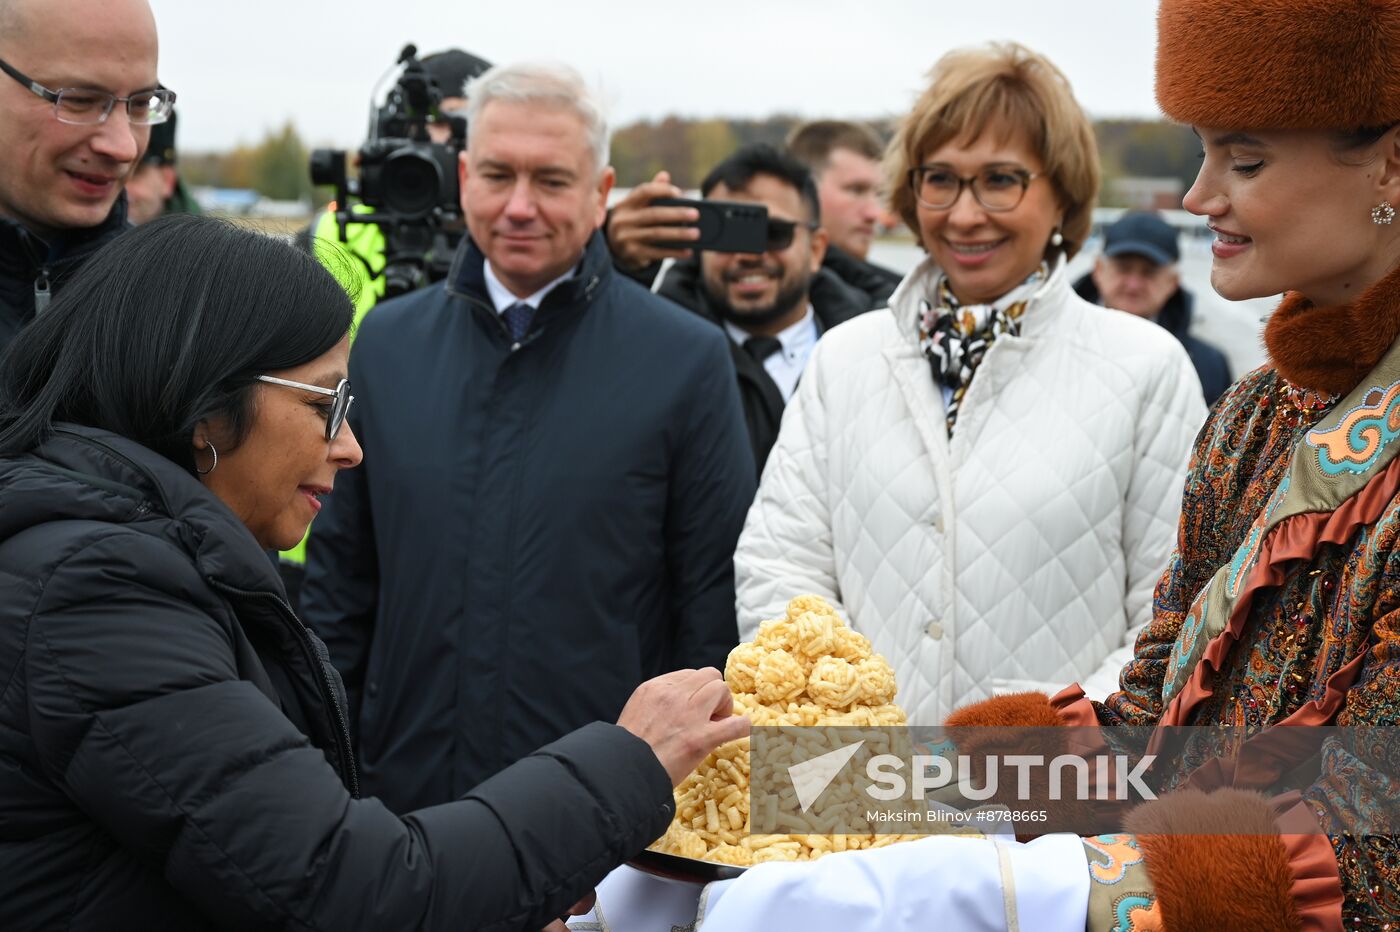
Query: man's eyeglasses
point(782, 232)
point(997, 188)
point(339, 408)
point(82, 107)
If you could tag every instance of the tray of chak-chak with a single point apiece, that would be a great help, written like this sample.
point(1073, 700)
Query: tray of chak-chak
point(805, 669)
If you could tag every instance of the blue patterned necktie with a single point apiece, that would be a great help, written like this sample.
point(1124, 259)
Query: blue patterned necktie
point(518, 317)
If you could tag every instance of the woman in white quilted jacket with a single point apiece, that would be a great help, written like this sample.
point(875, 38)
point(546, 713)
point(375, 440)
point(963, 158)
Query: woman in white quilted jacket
point(984, 478)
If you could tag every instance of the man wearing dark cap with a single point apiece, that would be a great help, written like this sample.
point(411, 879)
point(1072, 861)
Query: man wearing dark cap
point(155, 188)
point(452, 70)
point(1137, 273)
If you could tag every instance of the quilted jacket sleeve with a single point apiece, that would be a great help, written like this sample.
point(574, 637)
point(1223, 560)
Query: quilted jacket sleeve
point(137, 712)
point(1171, 413)
point(786, 548)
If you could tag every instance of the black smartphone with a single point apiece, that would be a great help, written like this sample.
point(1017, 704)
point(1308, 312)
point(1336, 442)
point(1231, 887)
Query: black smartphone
point(725, 226)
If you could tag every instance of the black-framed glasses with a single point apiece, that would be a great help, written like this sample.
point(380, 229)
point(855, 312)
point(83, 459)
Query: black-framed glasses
point(85, 107)
point(781, 233)
point(340, 407)
point(996, 187)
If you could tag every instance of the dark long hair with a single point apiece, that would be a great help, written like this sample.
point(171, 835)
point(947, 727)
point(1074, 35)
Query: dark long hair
point(168, 325)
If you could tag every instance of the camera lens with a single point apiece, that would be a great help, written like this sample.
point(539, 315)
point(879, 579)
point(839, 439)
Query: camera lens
point(412, 183)
point(327, 165)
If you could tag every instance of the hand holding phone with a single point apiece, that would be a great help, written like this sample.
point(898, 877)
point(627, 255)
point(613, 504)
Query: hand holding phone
point(636, 228)
point(725, 226)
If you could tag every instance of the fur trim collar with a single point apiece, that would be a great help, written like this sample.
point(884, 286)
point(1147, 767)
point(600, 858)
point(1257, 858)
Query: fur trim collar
point(1330, 349)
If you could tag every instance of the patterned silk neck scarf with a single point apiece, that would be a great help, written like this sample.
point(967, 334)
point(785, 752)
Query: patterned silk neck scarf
point(955, 337)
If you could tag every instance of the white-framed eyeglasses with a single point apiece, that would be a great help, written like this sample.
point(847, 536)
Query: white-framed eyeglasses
point(339, 408)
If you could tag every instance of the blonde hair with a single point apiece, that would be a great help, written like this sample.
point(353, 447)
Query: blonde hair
point(1007, 88)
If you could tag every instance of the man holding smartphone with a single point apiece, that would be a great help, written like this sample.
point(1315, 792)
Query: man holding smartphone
point(775, 304)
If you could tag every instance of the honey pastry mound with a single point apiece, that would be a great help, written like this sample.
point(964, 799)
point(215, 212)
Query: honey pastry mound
point(807, 668)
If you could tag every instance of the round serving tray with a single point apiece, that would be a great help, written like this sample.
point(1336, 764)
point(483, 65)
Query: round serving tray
point(690, 870)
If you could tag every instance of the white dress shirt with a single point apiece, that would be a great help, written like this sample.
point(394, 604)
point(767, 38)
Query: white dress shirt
point(502, 297)
point(785, 366)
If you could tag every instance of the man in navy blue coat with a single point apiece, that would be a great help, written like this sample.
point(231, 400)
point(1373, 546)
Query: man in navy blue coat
point(556, 473)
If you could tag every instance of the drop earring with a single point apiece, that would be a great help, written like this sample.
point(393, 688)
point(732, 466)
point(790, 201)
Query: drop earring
point(1057, 240)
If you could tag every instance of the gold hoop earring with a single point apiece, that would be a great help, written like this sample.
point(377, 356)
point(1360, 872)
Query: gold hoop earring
point(213, 465)
point(1382, 214)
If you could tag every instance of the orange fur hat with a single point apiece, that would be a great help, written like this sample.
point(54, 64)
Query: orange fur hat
point(1279, 64)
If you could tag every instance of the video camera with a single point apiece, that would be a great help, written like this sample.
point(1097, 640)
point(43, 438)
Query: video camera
point(408, 181)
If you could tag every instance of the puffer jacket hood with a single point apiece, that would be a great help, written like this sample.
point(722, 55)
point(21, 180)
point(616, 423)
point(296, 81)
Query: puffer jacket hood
point(85, 474)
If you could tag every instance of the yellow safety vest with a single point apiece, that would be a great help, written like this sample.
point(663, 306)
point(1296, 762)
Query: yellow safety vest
point(357, 264)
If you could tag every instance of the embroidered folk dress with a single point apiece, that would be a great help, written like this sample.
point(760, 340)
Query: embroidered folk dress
point(1252, 629)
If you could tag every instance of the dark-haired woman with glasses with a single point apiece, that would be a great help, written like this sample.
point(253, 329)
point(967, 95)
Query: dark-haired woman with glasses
point(174, 750)
point(984, 478)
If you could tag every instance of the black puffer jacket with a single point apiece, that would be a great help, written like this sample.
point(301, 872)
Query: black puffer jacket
point(29, 264)
point(173, 753)
point(873, 281)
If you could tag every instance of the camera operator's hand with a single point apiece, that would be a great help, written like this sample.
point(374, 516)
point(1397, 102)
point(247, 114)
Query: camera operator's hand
point(683, 716)
point(635, 228)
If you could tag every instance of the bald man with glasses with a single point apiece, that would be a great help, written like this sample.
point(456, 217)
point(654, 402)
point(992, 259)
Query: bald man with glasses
point(78, 96)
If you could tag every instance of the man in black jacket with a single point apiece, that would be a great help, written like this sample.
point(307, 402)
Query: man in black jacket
point(774, 306)
point(1137, 273)
point(844, 159)
point(556, 473)
point(65, 155)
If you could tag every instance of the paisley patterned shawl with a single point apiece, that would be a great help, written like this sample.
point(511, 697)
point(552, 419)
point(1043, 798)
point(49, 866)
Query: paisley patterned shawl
point(1281, 606)
point(1342, 476)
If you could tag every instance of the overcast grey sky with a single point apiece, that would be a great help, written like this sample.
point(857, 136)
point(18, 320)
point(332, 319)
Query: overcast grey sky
point(244, 66)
